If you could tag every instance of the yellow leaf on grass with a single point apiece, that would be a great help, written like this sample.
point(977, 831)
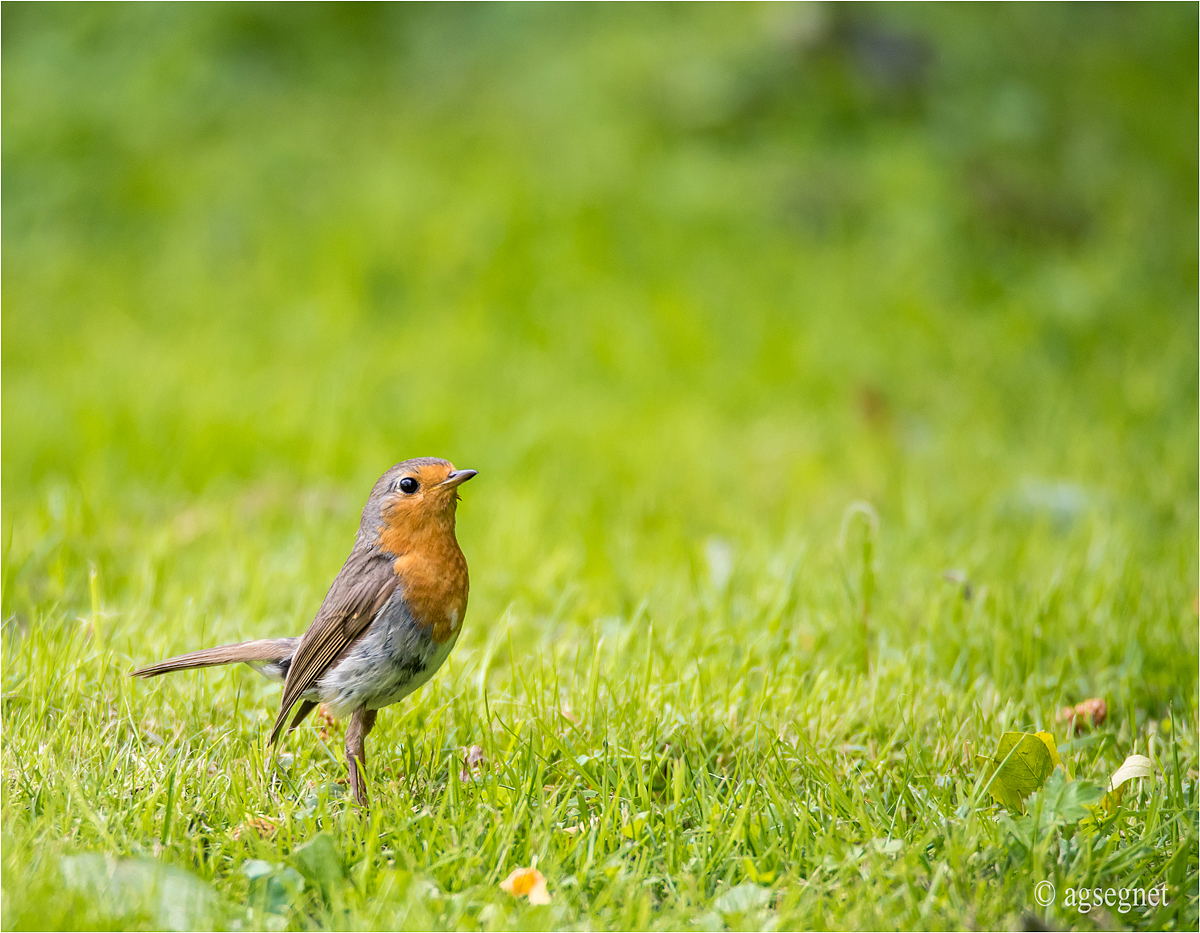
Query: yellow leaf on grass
point(527, 882)
point(1135, 766)
point(1048, 741)
point(1020, 765)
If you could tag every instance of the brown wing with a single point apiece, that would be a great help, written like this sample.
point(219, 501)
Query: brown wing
point(359, 591)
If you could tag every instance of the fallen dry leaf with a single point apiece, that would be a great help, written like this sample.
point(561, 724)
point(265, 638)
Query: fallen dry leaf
point(581, 827)
point(472, 761)
point(259, 825)
point(1086, 715)
point(528, 882)
point(328, 724)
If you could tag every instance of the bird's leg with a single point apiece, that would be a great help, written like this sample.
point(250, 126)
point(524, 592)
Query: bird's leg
point(362, 720)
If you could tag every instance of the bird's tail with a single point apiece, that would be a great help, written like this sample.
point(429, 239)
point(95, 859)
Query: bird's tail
point(271, 656)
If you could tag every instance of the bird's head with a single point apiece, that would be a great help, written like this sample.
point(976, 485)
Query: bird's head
point(413, 499)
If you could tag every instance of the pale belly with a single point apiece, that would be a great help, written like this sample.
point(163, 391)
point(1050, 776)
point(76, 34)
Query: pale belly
point(395, 657)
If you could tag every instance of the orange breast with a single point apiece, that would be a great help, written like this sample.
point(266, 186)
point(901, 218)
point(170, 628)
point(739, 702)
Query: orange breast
point(430, 565)
point(435, 588)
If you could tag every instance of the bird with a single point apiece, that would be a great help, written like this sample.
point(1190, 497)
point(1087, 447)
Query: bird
point(388, 622)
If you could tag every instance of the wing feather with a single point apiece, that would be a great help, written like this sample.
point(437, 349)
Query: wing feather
point(360, 590)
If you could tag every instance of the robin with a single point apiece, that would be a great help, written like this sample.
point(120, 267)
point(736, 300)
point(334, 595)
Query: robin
point(388, 622)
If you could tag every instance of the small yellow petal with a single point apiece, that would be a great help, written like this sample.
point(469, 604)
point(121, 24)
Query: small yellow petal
point(538, 893)
point(527, 882)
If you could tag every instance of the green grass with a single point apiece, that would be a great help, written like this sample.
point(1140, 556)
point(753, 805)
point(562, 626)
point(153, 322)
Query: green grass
point(684, 283)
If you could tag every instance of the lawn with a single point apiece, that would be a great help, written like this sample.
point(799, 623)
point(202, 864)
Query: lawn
point(831, 375)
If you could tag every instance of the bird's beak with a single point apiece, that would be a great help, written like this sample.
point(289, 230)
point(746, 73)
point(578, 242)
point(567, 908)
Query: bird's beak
point(458, 477)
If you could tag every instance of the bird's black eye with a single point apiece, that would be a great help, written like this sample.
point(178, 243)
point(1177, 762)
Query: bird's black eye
point(409, 485)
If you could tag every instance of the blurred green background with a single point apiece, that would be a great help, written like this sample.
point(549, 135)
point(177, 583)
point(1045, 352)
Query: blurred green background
point(682, 282)
point(659, 272)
